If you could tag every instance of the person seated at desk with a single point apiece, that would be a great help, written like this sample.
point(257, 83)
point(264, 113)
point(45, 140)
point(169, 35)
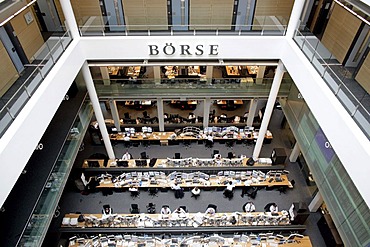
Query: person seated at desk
point(210, 211)
point(249, 207)
point(217, 156)
point(178, 190)
point(236, 119)
point(126, 156)
point(179, 212)
point(107, 210)
point(134, 191)
point(127, 138)
point(228, 192)
point(210, 138)
point(195, 192)
point(191, 116)
point(165, 210)
point(223, 115)
point(271, 207)
point(233, 220)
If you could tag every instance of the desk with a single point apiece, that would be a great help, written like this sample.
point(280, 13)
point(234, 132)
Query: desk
point(232, 70)
point(195, 241)
point(142, 102)
point(224, 102)
point(174, 220)
point(133, 71)
point(113, 70)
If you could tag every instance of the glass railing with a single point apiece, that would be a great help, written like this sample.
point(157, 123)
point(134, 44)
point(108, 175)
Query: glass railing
point(43, 61)
point(259, 87)
point(46, 207)
point(336, 76)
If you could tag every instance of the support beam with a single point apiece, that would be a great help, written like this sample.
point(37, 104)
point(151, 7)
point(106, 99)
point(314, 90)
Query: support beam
point(157, 74)
point(295, 153)
point(294, 20)
point(105, 75)
point(115, 115)
point(316, 202)
point(252, 111)
point(206, 110)
point(209, 74)
point(160, 114)
point(260, 74)
point(269, 108)
point(70, 19)
point(97, 110)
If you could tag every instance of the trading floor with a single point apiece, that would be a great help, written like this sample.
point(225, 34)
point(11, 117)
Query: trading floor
point(73, 201)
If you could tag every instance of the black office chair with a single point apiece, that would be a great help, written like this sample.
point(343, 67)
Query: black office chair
point(230, 155)
point(212, 206)
point(143, 155)
point(209, 144)
point(153, 192)
point(229, 143)
point(127, 115)
point(177, 156)
point(184, 207)
point(252, 192)
point(134, 209)
point(134, 194)
point(151, 208)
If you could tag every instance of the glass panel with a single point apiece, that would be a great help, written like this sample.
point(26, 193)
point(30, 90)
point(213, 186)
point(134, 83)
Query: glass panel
point(33, 85)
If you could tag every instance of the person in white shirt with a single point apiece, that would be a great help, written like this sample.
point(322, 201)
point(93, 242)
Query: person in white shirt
point(178, 190)
point(107, 210)
point(210, 211)
point(228, 192)
point(165, 210)
point(179, 212)
point(271, 207)
point(195, 192)
point(127, 156)
point(249, 207)
point(126, 138)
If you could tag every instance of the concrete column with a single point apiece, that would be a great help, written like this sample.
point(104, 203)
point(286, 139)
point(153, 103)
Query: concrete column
point(316, 202)
point(294, 20)
point(70, 19)
point(105, 75)
point(97, 110)
point(252, 111)
point(157, 74)
point(269, 108)
point(209, 74)
point(206, 110)
point(260, 74)
point(160, 114)
point(115, 115)
point(295, 153)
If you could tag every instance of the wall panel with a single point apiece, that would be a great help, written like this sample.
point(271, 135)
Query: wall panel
point(211, 12)
point(363, 74)
point(268, 10)
point(340, 32)
point(8, 73)
point(28, 34)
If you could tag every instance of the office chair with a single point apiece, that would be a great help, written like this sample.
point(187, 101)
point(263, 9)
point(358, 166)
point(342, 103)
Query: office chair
point(134, 194)
point(184, 207)
point(209, 144)
point(153, 192)
point(150, 208)
point(127, 115)
point(107, 206)
point(252, 192)
point(230, 155)
point(134, 209)
point(143, 155)
point(177, 156)
point(229, 144)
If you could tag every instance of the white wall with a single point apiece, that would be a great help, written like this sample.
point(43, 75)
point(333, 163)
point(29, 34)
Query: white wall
point(22, 137)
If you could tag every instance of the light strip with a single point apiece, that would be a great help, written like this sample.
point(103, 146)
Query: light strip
point(353, 12)
point(16, 13)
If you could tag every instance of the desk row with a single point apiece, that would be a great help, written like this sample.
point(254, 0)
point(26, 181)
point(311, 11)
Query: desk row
point(215, 240)
point(180, 162)
point(177, 220)
point(194, 179)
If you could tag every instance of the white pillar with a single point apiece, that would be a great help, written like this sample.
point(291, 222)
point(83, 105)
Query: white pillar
point(269, 108)
point(157, 74)
point(294, 19)
point(70, 18)
point(105, 75)
point(115, 115)
point(97, 110)
point(160, 114)
point(252, 111)
point(206, 110)
point(295, 153)
point(316, 202)
point(209, 74)
point(260, 74)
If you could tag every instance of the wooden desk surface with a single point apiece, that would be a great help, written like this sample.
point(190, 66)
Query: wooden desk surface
point(224, 102)
point(149, 220)
point(232, 70)
point(303, 242)
point(163, 163)
point(161, 136)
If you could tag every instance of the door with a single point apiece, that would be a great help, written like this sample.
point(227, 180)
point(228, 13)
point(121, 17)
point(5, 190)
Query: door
point(359, 48)
point(49, 15)
point(11, 50)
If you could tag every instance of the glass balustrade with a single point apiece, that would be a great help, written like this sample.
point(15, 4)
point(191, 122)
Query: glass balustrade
point(43, 61)
point(46, 207)
point(336, 76)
